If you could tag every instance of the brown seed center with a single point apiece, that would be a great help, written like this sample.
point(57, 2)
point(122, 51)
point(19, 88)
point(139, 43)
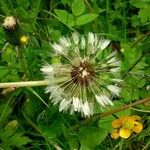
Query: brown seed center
point(82, 74)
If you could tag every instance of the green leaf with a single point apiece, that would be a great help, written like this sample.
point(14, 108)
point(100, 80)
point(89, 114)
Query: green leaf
point(144, 93)
point(65, 17)
point(78, 7)
point(35, 6)
point(5, 8)
point(144, 7)
point(131, 55)
point(143, 14)
point(131, 90)
point(18, 140)
point(9, 56)
point(3, 72)
point(21, 12)
point(135, 81)
point(105, 123)
point(90, 137)
point(55, 129)
point(73, 142)
point(129, 93)
point(29, 106)
point(23, 3)
point(86, 18)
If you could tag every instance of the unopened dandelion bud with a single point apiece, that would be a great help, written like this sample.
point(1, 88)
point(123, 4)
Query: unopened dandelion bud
point(10, 22)
point(13, 31)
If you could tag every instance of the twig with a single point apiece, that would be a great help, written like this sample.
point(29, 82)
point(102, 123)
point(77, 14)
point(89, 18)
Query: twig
point(104, 114)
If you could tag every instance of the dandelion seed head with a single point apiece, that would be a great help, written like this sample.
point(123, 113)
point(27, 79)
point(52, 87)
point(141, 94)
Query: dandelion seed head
point(87, 75)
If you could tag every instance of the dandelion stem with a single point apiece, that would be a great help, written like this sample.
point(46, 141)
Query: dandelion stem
point(104, 114)
point(24, 84)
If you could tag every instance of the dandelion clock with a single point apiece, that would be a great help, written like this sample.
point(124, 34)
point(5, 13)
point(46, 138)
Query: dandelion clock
point(87, 76)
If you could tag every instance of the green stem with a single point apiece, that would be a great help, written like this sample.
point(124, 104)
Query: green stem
point(31, 83)
point(24, 84)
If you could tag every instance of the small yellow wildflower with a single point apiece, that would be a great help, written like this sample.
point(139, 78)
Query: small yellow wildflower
point(125, 125)
point(24, 40)
point(115, 134)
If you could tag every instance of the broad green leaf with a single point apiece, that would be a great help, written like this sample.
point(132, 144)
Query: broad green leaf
point(134, 81)
point(77, 7)
point(106, 123)
point(129, 93)
point(90, 137)
point(86, 18)
point(65, 17)
point(131, 56)
point(54, 129)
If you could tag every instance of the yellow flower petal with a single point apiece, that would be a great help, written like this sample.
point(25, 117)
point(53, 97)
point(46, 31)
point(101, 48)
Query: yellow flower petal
point(116, 123)
point(24, 40)
point(138, 127)
point(136, 118)
point(124, 132)
point(124, 118)
point(115, 134)
point(127, 122)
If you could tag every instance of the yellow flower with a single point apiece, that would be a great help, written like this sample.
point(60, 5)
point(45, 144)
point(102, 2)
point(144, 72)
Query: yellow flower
point(125, 126)
point(24, 40)
point(115, 134)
